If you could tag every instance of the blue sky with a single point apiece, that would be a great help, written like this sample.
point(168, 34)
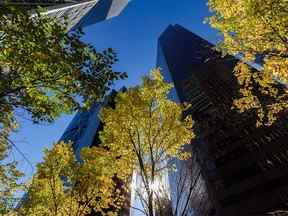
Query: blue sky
point(133, 35)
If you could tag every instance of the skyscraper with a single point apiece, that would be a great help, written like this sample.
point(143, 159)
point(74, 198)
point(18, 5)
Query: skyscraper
point(243, 169)
point(84, 128)
point(171, 56)
point(79, 13)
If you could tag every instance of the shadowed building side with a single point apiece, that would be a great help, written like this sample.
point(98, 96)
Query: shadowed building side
point(169, 58)
point(245, 168)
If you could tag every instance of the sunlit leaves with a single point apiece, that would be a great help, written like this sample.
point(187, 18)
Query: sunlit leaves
point(145, 118)
point(46, 71)
point(145, 130)
point(64, 186)
point(256, 28)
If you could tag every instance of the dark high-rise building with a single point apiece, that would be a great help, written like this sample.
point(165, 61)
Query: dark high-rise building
point(78, 13)
point(243, 168)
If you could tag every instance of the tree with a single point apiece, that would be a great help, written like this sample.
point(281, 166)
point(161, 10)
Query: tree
point(46, 72)
point(177, 198)
point(64, 186)
point(252, 29)
point(145, 130)
point(185, 184)
point(9, 175)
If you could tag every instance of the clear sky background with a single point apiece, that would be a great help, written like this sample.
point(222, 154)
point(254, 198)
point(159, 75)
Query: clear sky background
point(133, 35)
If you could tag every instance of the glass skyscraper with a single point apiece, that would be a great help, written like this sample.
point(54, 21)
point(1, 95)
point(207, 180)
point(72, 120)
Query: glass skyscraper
point(243, 169)
point(175, 58)
point(79, 13)
point(84, 128)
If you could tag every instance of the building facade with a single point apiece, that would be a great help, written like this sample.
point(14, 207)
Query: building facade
point(243, 169)
point(78, 13)
point(83, 130)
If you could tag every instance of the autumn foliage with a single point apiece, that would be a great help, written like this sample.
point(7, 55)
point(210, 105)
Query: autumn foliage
point(256, 29)
point(145, 131)
point(64, 186)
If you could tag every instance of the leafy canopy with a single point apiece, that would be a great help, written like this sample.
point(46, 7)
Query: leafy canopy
point(253, 29)
point(65, 186)
point(145, 122)
point(145, 130)
point(47, 71)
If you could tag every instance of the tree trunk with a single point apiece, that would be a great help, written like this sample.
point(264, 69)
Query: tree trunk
point(150, 203)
